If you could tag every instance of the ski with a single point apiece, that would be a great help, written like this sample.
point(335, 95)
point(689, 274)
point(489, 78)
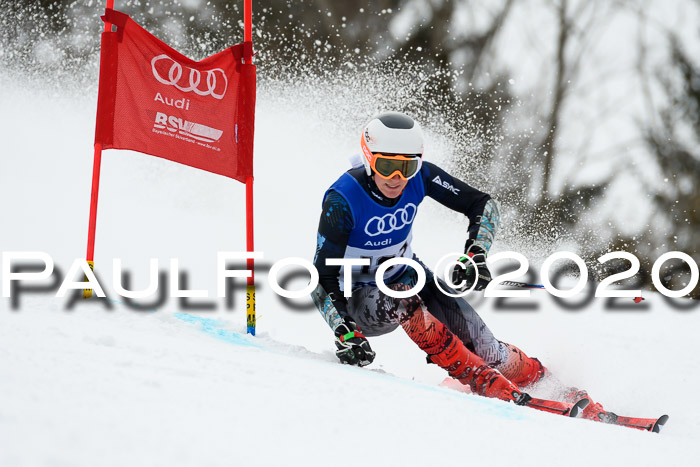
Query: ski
point(648, 424)
point(597, 413)
point(568, 409)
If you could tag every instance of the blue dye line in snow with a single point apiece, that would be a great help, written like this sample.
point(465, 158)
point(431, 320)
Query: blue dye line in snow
point(214, 328)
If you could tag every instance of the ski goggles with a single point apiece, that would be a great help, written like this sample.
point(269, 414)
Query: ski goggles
point(388, 165)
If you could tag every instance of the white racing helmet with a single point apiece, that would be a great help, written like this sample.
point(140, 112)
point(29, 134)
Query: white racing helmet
point(392, 143)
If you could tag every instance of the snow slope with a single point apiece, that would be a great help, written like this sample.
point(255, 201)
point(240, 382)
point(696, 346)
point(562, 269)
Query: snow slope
point(81, 384)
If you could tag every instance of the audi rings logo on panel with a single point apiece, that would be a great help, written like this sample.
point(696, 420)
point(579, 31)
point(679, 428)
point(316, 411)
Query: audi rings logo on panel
point(170, 72)
point(387, 223)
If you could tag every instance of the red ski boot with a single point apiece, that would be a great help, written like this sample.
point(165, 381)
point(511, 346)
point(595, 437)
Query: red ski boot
point(471, 370)
point(490, 383)
point(521, 369)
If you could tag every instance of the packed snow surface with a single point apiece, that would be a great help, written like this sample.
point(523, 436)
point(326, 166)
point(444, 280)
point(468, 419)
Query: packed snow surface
point(86, 383)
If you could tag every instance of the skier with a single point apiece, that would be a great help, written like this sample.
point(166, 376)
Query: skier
point(368, 213)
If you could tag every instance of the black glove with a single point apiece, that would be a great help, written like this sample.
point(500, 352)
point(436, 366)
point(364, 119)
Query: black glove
point(353, 347)
point(468, 274)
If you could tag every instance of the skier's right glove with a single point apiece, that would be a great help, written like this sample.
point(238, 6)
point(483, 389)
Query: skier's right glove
point(353, 347)
point(467, 274)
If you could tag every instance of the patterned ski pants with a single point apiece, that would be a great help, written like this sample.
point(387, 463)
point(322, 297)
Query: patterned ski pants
point(427, 317)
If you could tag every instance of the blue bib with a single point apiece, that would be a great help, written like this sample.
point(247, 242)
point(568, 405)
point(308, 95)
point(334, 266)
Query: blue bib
point(379, 233)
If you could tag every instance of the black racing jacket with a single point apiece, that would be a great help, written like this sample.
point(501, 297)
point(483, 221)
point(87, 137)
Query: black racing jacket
point(336, 223)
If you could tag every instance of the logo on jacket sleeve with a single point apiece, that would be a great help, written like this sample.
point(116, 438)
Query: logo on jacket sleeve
point(445, 185)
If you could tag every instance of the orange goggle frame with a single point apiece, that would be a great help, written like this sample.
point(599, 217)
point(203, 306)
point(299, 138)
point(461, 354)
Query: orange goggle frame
point(388, 165)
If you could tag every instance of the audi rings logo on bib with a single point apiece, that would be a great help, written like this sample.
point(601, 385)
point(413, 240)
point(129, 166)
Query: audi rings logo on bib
point(388, 223)
point(169, 72)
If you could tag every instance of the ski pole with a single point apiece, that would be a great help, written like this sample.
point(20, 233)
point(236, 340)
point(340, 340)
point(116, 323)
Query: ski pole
point(522, 285)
